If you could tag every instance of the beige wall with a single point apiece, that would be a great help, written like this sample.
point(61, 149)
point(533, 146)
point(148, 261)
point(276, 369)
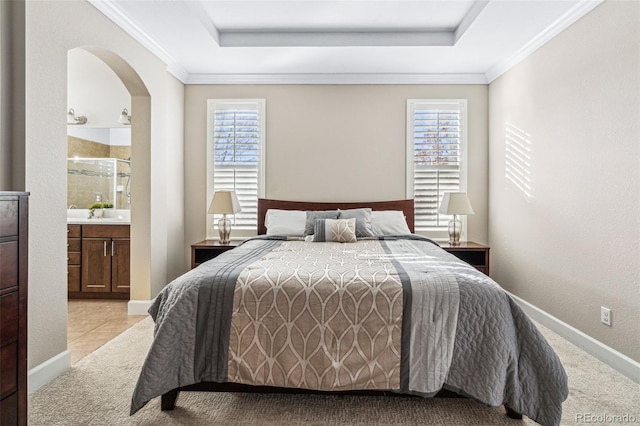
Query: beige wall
point(334, 143)
point(54, 28)
point(568, 241)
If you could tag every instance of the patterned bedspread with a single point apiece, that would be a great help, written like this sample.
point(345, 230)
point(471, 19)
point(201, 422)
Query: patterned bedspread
point(395, 313)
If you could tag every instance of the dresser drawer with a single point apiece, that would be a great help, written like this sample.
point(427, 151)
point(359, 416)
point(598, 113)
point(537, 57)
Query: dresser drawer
point(8, 368)
point(8, 264)
point(9, 310)
point(8, 218)
point(74, 244)
point(9, 410)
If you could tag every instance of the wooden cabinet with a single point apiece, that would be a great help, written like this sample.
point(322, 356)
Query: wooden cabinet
point(74, 245)
point(96, 262)
point(476, 255)
point(120, 254)
point(208, 249)
point(102, 266)
point(13, 307)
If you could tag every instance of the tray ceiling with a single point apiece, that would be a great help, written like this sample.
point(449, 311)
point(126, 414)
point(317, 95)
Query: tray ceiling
point(342, 41)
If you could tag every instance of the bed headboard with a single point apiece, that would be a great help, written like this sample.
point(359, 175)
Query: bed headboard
point(264, 204)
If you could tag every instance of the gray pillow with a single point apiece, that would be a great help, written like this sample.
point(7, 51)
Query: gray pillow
point(363, 221)
point(312, 215)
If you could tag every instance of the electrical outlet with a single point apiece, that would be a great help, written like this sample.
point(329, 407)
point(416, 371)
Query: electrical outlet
point(605, 316)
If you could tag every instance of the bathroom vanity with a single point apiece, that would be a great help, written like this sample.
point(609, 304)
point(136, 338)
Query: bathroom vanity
point(98, 259)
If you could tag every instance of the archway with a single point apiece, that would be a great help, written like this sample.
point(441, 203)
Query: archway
point(140, 261)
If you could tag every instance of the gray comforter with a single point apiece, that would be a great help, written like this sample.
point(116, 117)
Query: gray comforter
point(459, 331)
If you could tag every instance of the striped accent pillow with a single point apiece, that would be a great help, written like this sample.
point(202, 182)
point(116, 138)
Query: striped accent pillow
point(335, 230)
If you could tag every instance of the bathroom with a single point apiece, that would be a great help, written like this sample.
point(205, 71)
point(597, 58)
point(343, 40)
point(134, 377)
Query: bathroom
point(98, 180)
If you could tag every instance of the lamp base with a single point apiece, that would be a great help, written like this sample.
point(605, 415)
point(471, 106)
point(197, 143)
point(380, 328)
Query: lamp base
point(455, 229)
point(224, 229)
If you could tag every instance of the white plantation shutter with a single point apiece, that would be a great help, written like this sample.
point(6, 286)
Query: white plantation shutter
point(236, 136)
point(435, 157)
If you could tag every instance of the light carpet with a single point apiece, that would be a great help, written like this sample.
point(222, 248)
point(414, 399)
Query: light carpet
point(97, 391)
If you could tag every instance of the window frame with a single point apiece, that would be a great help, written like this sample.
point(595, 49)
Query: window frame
point(438, 233)
point(212, 106)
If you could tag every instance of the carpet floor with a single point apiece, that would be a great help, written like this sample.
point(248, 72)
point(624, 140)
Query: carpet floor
point(97, 391)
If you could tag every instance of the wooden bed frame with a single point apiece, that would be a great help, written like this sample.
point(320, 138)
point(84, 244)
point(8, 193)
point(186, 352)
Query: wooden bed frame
point(264, 204)
point(168, 400)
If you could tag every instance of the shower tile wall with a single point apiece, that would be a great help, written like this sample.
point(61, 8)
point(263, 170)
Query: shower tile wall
point(79, 192)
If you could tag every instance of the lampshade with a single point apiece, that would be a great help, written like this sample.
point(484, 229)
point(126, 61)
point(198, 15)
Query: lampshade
point(455, 203)
point(225, 202)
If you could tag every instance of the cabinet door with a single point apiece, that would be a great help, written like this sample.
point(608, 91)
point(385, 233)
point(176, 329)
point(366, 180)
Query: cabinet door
point(120, 266)
point(73, 278)
point(96, 265)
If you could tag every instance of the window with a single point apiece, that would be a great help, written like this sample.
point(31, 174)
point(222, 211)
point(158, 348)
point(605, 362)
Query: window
point(235, 157)
point(436, 159)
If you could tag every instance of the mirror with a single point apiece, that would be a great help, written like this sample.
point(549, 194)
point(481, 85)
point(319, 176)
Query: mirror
point(97, 170)
point(91, 180)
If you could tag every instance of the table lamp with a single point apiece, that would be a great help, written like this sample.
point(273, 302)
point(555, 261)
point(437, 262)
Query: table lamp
point(455, 203)
point(224, 202)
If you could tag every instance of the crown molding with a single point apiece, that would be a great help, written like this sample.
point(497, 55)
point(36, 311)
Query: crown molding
point(562, 23)
point(115, 14)
point(336, 79)
point(178, 72)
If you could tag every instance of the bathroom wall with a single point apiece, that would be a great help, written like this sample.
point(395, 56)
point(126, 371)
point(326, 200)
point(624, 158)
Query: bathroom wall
point(94, 91)
point(82, 189)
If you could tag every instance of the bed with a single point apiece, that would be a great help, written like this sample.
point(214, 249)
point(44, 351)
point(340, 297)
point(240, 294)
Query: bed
point(356, 304)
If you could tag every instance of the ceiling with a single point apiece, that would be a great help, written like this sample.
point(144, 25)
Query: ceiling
point(342, 41)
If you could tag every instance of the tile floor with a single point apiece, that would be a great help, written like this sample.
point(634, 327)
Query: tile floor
point(92, 323)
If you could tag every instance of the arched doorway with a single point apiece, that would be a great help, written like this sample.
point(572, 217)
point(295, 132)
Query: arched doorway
point(139, 185)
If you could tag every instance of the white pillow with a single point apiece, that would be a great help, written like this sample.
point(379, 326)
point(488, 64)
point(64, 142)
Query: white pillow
point(285, 222)
point(389, 222)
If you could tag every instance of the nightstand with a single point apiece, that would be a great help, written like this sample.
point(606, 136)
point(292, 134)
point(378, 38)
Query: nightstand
point(208, 249)
point(476, 255)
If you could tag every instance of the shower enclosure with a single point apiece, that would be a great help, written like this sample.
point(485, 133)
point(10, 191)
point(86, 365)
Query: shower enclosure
point(93, 179)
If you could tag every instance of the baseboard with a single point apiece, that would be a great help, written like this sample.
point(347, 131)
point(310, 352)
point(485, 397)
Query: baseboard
point(604, 353)
point(139, 307)
point(50, 369)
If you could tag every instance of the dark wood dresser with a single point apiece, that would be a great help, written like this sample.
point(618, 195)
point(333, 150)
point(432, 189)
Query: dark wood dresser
point(14, 211)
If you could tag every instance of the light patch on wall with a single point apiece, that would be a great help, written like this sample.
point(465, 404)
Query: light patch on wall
point(518, 160)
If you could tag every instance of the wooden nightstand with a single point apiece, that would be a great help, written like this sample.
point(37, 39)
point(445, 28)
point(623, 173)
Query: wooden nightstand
point(208, 249)
point(476, 255)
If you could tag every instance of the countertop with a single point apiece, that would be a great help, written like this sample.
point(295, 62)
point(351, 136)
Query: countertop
point(110, 217)
point(101, 221)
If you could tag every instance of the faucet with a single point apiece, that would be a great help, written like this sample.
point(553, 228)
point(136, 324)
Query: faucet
point(72, 206)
